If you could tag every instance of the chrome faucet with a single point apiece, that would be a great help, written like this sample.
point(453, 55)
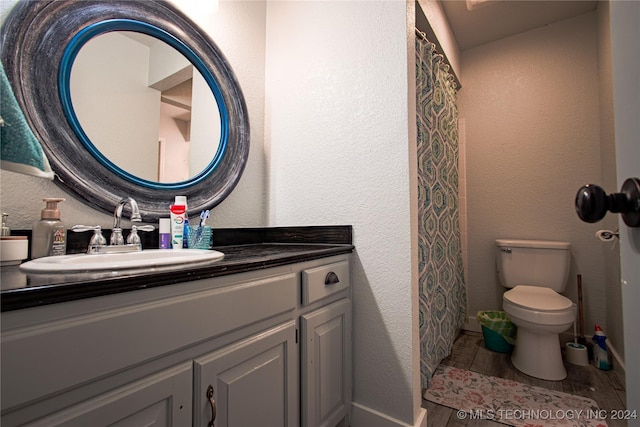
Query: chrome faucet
point(116, 234)
point(98, 244)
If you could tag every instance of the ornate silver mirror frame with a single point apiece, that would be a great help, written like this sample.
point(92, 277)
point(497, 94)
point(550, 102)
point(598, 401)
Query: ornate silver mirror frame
point(33, 42)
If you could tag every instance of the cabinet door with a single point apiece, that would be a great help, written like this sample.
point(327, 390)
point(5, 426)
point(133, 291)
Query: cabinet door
point(326, 365)
point(250, 383)
point(160, 400)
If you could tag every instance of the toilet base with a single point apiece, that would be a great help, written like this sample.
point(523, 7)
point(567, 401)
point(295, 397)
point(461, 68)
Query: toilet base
point(539, 355)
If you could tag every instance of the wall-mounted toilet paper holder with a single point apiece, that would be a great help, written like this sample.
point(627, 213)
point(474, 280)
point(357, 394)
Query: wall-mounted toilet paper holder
point(592, 203)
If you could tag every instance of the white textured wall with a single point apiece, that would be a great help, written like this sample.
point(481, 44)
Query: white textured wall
point(337, 124)
point(531, 108)
point(21, 195)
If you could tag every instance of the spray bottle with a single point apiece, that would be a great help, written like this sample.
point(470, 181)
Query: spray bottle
point(600, 352)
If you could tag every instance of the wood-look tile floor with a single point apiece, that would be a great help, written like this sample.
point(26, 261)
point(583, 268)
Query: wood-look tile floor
point(469, 352)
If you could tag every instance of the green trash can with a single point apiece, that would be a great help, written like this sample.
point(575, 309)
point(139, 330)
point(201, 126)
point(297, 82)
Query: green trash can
point(498, 331)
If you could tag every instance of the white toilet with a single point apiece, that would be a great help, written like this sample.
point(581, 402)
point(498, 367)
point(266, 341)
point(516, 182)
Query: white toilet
point(536, 271)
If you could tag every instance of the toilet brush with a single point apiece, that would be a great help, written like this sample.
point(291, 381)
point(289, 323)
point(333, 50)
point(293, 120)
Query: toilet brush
point(575, 330)
point(576, 353)
point(581, 338)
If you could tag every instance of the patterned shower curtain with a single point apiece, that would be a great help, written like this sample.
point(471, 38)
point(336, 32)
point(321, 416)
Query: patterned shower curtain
point(441, 277)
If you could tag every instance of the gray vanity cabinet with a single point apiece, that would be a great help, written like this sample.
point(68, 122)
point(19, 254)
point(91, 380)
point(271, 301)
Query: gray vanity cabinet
point(326, 356)
point(269, 347)
point(326, 346)
point(251, 383)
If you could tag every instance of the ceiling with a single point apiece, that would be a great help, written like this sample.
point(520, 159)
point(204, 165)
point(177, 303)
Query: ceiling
point(496, 19)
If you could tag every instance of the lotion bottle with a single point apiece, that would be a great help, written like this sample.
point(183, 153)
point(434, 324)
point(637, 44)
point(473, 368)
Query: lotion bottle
point(49, 235)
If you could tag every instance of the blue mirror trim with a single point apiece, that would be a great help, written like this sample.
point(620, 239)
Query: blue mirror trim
point(64, 78)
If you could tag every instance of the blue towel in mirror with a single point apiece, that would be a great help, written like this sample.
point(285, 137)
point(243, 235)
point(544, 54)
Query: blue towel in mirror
point(20, 150)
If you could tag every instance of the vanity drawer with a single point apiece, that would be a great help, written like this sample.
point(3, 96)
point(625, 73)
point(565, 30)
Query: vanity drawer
point(320, 282)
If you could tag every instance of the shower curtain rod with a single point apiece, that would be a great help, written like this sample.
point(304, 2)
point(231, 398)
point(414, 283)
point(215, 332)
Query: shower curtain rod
point(423, 36)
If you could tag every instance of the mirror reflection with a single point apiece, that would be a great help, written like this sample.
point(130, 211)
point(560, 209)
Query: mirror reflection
point(145, 107)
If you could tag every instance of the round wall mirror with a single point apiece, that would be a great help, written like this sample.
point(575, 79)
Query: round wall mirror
point(129, 99)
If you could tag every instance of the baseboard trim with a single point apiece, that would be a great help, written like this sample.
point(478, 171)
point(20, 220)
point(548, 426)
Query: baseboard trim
point(618, 364)
point(472, 325)
point(362, 416)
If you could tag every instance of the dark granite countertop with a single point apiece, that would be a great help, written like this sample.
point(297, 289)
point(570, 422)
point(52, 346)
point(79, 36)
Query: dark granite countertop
point(244, 249)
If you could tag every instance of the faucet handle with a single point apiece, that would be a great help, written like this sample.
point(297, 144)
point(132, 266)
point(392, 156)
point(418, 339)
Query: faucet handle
point(98, 238)
point(81, 228)
point(133, 238)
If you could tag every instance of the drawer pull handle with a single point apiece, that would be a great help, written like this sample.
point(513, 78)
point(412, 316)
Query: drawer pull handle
point(331, 279)
point(212, 402)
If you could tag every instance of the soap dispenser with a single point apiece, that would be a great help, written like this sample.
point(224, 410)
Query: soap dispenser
point(6, 231)
point(49, 235)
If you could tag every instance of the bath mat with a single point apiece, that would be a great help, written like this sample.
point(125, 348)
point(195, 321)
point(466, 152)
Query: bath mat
point(481, 397)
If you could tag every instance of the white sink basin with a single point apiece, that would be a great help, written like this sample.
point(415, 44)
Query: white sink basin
point(149, 258)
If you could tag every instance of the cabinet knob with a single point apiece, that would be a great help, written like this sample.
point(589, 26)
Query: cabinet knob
point(592, 203)
point(212, 402)
point(331, 278)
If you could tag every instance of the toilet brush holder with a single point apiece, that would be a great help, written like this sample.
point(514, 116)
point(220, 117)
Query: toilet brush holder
point(577, 354)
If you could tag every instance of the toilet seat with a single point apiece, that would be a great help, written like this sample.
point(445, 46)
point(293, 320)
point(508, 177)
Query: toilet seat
point(537, 306)
point(538, 299)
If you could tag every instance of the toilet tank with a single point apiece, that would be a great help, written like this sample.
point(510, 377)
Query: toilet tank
point(533, 262)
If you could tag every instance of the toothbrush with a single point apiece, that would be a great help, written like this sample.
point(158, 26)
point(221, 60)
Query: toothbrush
point(204, 215)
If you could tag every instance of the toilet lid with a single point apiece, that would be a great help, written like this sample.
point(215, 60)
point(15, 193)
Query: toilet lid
point(537, 298)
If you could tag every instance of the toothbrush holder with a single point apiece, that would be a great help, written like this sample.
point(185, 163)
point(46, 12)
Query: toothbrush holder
point(199, 237)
